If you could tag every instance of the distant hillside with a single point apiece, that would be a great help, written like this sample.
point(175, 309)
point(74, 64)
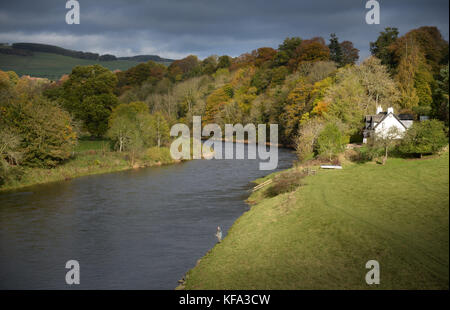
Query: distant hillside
point(49, 61)
point(145, 58)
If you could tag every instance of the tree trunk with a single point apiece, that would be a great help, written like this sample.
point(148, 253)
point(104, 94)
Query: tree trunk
point(385, 156)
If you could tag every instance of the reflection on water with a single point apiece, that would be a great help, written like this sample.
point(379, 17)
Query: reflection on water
point(137, 229)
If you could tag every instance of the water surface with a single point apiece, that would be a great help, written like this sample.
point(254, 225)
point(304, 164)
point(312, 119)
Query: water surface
point(136, 229)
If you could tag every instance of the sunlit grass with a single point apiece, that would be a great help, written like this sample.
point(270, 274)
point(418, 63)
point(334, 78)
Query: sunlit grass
point(322, 235)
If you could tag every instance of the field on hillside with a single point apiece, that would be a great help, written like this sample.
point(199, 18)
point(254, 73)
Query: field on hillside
point(53, 66)
point(322, 235)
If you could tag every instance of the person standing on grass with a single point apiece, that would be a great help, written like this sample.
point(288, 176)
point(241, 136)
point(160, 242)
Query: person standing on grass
point(219, 234)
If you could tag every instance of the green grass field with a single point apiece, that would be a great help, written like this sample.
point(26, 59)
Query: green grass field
point(53, 66)
point(322, 235)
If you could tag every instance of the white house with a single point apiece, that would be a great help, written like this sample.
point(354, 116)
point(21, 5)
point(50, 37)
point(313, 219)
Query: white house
point(380, 123)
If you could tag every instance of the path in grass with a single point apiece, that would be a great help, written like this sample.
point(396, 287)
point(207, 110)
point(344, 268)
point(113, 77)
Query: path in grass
point(321, 236)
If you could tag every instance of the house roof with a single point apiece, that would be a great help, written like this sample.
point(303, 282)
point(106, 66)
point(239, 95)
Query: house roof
point(387, 116)
point(406, 117)
point(376, 118)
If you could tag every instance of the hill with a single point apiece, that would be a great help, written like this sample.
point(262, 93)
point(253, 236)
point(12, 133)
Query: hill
point(48, 61)
point(322, 235)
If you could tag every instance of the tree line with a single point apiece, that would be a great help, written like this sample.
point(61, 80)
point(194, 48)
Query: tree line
point(313, 89)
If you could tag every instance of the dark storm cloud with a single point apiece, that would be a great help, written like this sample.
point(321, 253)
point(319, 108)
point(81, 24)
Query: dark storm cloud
point(174, 28)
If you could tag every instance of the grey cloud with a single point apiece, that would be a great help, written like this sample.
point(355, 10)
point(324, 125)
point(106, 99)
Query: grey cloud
point(204, 27)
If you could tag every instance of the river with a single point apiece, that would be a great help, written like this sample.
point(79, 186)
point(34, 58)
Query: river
point(135, 229)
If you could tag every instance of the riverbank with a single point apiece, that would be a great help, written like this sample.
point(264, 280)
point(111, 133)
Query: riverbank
point(90, 160)
point(321, 234)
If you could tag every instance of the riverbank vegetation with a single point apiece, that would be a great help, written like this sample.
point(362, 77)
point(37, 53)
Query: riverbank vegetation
point(314, 90)
point(320, 233)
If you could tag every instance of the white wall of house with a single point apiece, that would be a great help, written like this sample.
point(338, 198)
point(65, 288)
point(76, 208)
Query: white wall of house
point(407, 123)
point(390, 121)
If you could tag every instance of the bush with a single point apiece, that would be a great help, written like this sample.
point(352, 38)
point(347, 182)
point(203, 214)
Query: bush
point(9, 174)
point(158, 154)
point(426, 137)
point(331, 141)
point(285, 183)
point(47, 137)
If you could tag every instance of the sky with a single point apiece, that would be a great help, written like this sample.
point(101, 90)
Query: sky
point(177, 28)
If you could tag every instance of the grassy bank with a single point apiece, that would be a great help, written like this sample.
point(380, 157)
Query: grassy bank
point(321, 235)
point(90, 157)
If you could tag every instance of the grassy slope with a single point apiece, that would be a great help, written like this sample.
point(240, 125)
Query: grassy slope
point(321, 236)
point(92, 157)
point(53, 66)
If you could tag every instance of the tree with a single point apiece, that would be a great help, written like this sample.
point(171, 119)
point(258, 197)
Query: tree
point(184, 68)
point(380, 87)
point(88, 95)
point(336, 54)
point(44, 129)
point(135, 76)
point(314, 49)
point(264, 55)
point(160, 129)
point(209, 64)
point(224, 62)
point(350, 54)
point(426, 137)
point(331, 141)
point(441, 101)
point(306, 140)
point(384, 142)
point(131, 128)
point(380, 48)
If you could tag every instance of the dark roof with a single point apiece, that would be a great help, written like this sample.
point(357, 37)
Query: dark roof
point(406, 117)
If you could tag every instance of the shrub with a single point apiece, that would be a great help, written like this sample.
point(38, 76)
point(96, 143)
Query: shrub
point(285, 183)
point(158, 154)
point(47, 137)
point(331, 141)
point(9, 174)
point(426, 137)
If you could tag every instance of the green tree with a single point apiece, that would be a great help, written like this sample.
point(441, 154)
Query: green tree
point(441, 100)
point(224, 62)
point(384, 143)
point(130, 128)
point(331, 141)
point(336, 54)
point(88, 95)
point(426, 137)
point(160, 129)
point(380, 48)
point(45, 130)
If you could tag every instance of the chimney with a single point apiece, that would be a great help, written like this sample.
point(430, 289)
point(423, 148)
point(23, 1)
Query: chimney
point(379, 109)
point(390, 110)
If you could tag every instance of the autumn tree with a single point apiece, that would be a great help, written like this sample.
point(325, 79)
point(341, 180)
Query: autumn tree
point(314, 49)
point(184, 68)
point(350, 54)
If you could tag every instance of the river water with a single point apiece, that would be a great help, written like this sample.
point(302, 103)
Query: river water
point(136, 229)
